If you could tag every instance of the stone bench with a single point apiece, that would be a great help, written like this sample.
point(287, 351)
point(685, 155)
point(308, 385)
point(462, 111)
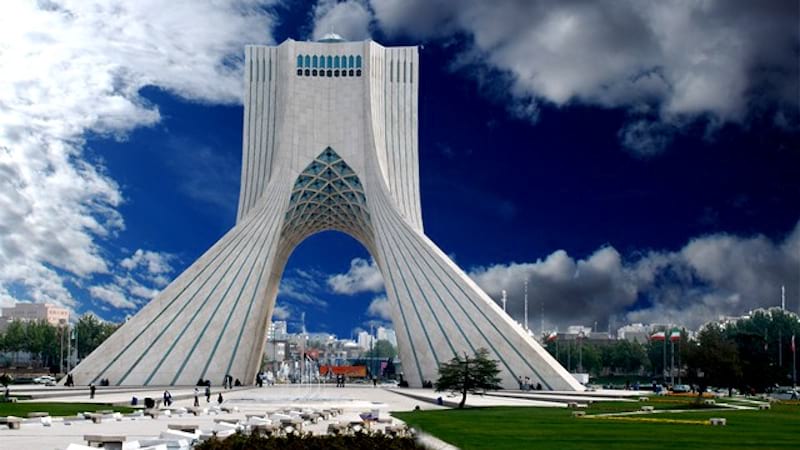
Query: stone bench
point(644, 399)
point(709, 402)
point(229, 409)
point(311, 417)
point(231, 421)
point(154, 413)
point(718, 421)
point(94, 417)
point(336, 428)
point(399, 430)
point(37, 414)
point(11, 422)
point(185, 427)
point(264, 430)
point(196, 410)
point(578, 413)
point(764, 406)
point(357, 426)
point(647, 408)
point(105, 441)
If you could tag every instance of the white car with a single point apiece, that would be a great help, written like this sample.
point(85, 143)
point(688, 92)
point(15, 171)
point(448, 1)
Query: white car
point(46, 380)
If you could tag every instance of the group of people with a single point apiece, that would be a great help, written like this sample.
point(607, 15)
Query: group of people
point(525, 384)
point(228, 382)
point(208, 396)
point(340, 379)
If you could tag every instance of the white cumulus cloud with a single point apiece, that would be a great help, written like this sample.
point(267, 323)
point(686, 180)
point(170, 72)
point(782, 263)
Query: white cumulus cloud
point(709, 277)
point(379, 307)
point(664, 60)
point(363, 276)
point(76, 66)
point(349, 19)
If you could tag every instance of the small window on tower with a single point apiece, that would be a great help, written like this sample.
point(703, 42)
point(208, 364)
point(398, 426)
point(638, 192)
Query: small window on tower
point(314, 72)
point(352, 72)
point(314, 61)
point(308, 72)
point(358, 72)
point(300, 72)
point(330, 73)
point(299, 60)
point(336, 73)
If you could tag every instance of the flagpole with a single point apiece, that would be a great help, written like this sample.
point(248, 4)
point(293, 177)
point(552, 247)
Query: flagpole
point(679, 360)
point(672, 362)
point(794, 363)
point(664, 363)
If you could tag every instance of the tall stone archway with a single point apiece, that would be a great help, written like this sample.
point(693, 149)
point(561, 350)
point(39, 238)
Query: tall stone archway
point(320, 152)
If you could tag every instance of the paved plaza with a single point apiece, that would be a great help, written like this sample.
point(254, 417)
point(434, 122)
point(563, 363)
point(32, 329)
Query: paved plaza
point(352, 401)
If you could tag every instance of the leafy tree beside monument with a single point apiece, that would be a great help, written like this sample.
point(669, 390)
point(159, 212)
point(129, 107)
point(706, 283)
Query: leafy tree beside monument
point(469, 375)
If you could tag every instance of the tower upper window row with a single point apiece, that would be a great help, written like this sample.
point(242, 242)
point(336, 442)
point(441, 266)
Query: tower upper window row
point(328, 62)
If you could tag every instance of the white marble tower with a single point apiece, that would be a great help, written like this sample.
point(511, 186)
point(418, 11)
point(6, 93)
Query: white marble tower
point(329, 142)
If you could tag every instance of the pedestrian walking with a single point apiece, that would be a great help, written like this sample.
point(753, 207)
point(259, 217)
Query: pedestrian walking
point(219, 398)
point(196, 397)
point(167, 398)
point(92, 388)
point(208, 394)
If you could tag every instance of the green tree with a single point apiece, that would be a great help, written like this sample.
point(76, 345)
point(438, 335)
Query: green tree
point(468, 375)
point(714, 358)
point(14, 340)
point(763, 342)
point(91, 333)
point(382, 349)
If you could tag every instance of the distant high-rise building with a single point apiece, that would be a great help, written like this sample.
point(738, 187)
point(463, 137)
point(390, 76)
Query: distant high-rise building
point(31, 312)
point(386, 334)
point(635, 332)
point(277, 331)
point(365, 340)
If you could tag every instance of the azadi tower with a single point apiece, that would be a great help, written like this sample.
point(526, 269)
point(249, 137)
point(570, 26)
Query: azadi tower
point(329, 143)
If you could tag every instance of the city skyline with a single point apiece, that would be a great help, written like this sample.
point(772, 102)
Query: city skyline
point(655, 189)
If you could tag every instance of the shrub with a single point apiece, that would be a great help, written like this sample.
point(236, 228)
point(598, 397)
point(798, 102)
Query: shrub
point(357, 441)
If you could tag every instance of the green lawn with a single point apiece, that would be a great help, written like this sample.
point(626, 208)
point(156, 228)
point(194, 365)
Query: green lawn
point(56, 409)
point(555, 428)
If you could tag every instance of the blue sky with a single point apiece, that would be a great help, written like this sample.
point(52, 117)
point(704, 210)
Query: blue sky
point(633, 162)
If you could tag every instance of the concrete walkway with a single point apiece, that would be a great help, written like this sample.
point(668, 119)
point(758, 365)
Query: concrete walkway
point(352, 400)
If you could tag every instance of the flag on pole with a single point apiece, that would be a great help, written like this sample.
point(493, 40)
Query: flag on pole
point(660, 336)
point(551, 337)
point(793, 344)
point(675, 335)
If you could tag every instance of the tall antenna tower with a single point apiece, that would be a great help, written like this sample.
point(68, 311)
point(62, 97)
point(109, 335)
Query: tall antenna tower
point(526, 305)
point(783, 298)
point(541, 318)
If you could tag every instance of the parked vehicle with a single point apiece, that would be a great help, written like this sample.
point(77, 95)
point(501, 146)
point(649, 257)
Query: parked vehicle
point(785, 393)
point(46, 380)
point(681, 388)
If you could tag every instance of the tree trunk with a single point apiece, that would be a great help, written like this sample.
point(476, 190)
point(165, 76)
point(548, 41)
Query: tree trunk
point(463, 398)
